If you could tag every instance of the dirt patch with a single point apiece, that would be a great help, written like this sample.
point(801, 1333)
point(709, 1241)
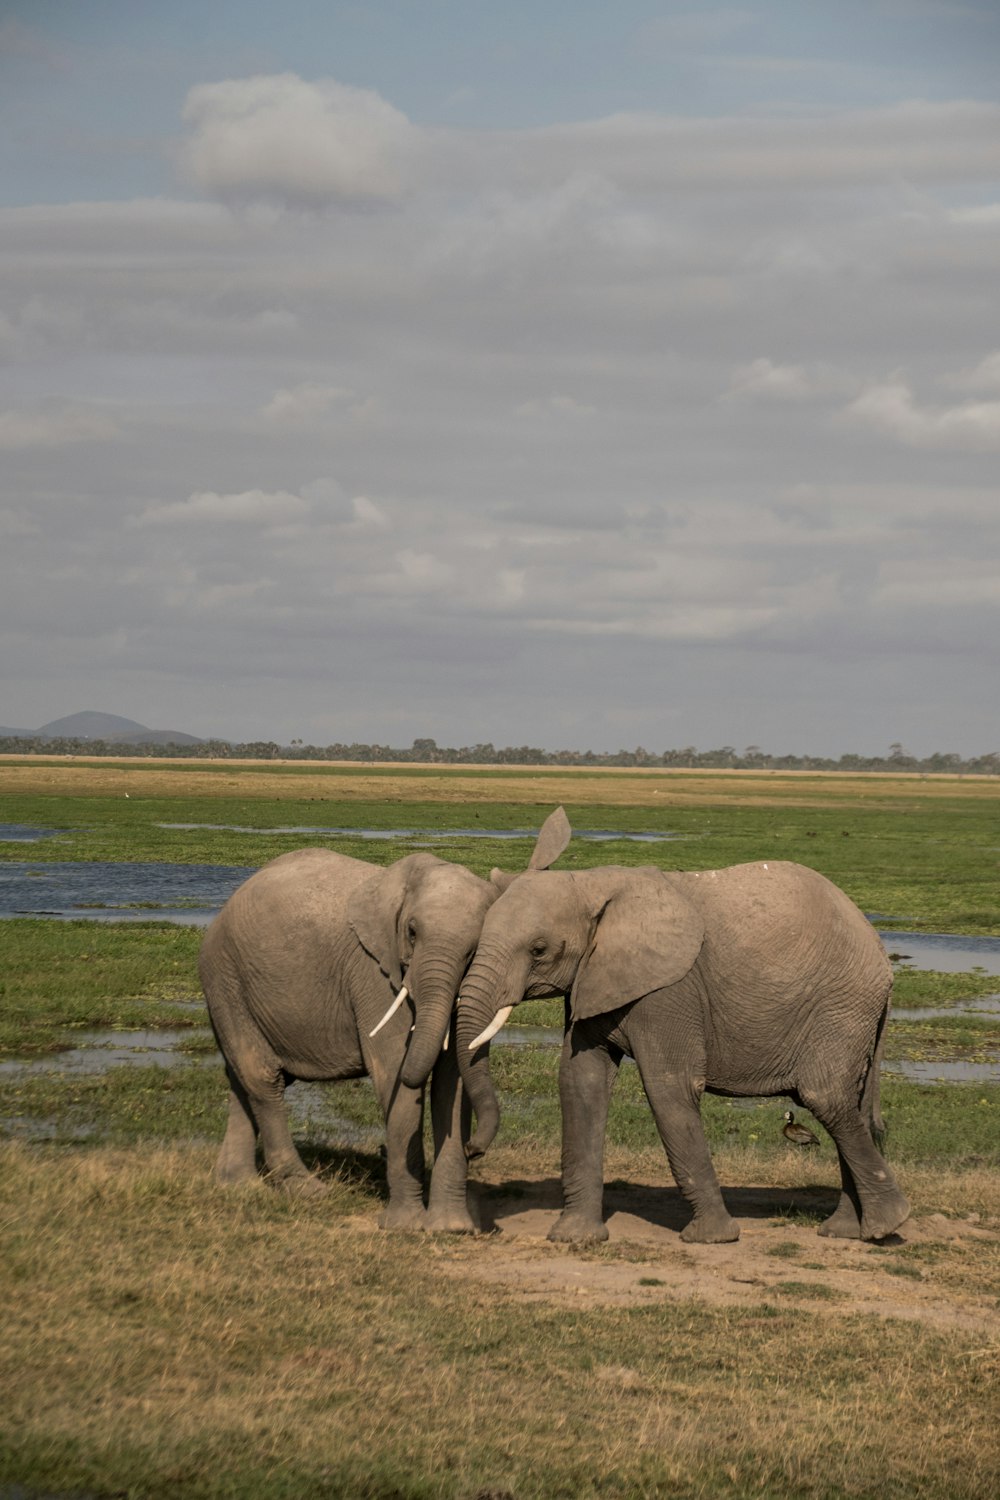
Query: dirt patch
point(778, 1260)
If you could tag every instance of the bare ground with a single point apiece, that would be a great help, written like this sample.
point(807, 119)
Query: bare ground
point(776, 1260)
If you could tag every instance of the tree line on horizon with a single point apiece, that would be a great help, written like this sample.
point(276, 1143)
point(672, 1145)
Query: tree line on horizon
point(428, 752)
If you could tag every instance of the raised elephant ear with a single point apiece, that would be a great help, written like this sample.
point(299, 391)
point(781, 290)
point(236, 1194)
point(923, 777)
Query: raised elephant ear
point(374, 910)
point(647, 936)
point(553, 837)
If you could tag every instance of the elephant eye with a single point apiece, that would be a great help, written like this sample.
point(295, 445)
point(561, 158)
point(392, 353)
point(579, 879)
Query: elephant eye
point(538, 948)
point(411, 930)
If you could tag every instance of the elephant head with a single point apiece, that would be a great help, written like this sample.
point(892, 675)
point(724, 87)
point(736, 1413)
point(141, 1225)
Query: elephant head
point(420, 919)
point(603, 937)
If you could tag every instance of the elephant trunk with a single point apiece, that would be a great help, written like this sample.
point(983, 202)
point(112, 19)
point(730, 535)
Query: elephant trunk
point(433, 982)
point(489, 988)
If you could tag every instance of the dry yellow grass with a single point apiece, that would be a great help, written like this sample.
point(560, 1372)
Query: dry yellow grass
point(163, 1337)
point(610, 786)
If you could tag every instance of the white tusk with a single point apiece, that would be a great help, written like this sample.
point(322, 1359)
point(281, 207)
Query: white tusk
point(392, 1009)
point(498, 1022)
point(444, 1044)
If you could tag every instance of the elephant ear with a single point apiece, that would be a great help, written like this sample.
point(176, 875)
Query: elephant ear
point(553, 837)
point(374, 912)
point(647, 936)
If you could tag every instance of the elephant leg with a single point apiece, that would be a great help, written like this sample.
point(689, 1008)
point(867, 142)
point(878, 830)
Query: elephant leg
point(404, 1149)
point(451, 1118)
point(867, 1179)
point(675, 1101)
point(845, 1221)
point(237, 1159)
point(258, 1071)
point(586, 1078)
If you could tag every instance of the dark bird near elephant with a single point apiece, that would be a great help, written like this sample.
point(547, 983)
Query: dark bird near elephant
point(760, 979)
point(799, 1135)
point(324, 967)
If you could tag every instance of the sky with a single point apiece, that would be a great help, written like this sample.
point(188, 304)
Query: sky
point(560, 374)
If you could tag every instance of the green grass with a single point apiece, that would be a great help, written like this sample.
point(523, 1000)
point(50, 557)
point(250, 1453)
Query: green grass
point(921, 854)
point(925, 987)
point(60, 977)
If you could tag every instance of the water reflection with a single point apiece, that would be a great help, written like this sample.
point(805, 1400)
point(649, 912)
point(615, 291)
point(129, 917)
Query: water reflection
point(120, 892)
point(23, 833)
point(945, 1072)
point(943, 951)
point(589, 835)
point(97, 1051)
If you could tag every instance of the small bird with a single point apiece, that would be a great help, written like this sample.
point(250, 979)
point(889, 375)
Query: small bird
point(799, 1135)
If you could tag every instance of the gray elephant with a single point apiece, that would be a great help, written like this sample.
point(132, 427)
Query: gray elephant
point(300, 969)
point(761, 979)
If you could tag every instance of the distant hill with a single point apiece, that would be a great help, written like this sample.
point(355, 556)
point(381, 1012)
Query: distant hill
point(110, 728)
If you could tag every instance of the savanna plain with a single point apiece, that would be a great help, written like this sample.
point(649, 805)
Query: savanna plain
point(165, 1337)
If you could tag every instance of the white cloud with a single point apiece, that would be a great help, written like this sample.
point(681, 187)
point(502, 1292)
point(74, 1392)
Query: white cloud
point(307, 144)
point(982, 214)
point(915, 141)
point(55, 427)
point(773, 382)
point(985, 376)
point(305, 405)
point(891, 409)
point(368, 514)
point(249, 508)
point(517, 376)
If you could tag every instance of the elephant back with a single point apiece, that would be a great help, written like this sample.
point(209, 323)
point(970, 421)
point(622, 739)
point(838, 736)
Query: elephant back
point(782, 934)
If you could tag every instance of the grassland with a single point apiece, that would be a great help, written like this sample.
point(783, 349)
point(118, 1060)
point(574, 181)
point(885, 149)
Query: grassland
point(163, 1338)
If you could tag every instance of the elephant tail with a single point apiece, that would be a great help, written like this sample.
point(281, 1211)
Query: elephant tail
point(871, 1111)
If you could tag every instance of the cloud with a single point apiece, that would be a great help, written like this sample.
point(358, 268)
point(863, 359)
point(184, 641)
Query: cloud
point(985, 376)
point(916, 141)
point(249, 508)
point(55, 427)
point(14, 524)
point(368, 514)
point(555, 406)
point(305, 405)
point(986, 214)
point(576, 389)
point(891, 409)
point(304, 144)
point(763, 378)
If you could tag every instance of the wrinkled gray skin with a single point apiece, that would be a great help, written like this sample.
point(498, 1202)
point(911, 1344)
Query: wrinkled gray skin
point(298, 968)
point(761, 979)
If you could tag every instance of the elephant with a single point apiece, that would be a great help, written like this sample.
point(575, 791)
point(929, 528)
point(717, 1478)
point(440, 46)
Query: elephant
point(758, 979)
point(300, 969)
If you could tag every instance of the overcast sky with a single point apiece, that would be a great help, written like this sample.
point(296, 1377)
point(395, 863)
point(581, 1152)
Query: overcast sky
point(570, 374)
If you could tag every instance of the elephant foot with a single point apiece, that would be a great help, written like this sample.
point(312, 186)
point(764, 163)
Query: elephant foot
point(717, 1228)
point(577, 1229)
point(235, 1174)
point(843, 1223)
point(884, 1217)
point(403, 1217)
point(298, 1184)
point(449, 1221)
